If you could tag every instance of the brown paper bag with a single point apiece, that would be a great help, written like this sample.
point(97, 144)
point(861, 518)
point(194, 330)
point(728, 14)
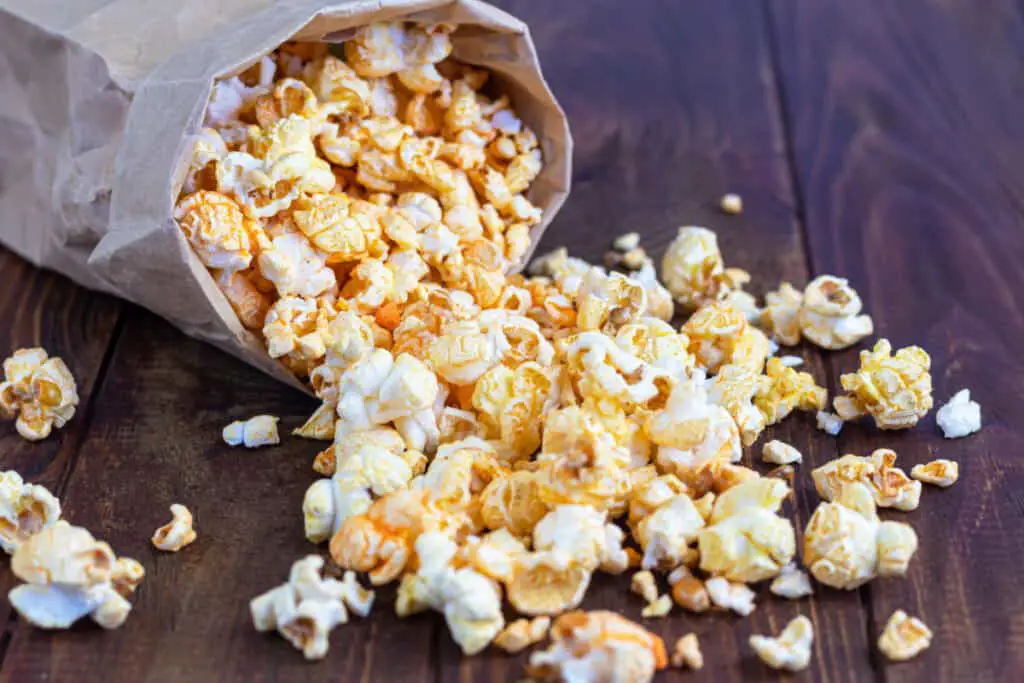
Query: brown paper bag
point(99, 100)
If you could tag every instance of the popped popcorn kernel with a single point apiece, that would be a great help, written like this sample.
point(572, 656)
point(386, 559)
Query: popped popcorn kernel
point(693, 270)
point(257, 431)
point(904, 637)
point(719, 334)
point(960, 416)
point(731, 596)
point(781, 314)
point(178, 533)
point(783, 389)
point(547, 583)
point(889, 485)
point(626, 242)
point(734, 388)
point(942, 473)
point(830, 423)
point(791, 583)
point(791, 650)
point(895, 389)
point(780, 453)
point(686, 653)
point(522, 633)
point(657, 609)
point(642, 583)
point(829, 315)
point(25, 510)
point(731, 203)
point(217, 230)
point(38, 391)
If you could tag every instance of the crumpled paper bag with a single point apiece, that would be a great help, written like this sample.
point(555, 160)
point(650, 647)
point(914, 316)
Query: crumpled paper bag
point(99, 100)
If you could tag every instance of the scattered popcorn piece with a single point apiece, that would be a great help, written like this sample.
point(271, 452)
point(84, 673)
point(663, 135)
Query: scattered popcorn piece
point(719, 335)
point(643, 584)
point(626, 242)
point(307, 607)
point(732, 596)
point(688, 591)
point(942, 473)
point(25, 509)
point(904, 637)
point(598, 646)
point(829, 314)
point(522, 633)
point(960, 417)
point(178, 533)
point(791, 583)
point(781, 314)
point(635, 258)
point(791, 650)
point(782, 389)
point(830, 423)
point(68, 574)
point(780, 453)
point(895, 389)
point(658, 608)
point(693, 270)
point(731, 203)
point(253, 433)
point(686, 653)
point(889, 485)
point(791, 361)
point(38, 391)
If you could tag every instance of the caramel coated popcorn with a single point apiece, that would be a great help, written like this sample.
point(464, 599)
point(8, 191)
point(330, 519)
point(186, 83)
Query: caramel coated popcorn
point(904, 637)
point(38, 392)
point(894, 388)
point(889, 485)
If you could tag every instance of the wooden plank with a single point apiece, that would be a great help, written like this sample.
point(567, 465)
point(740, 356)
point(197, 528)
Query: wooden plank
point(43, 309)
point(155, 440)
point(908, 146)
point(671, 106)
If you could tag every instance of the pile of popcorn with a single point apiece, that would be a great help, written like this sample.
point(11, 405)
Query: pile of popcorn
point(496, 437)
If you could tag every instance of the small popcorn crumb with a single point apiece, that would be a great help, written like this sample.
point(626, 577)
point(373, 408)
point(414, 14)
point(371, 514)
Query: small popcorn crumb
point(522, 633)
point(780, 453)
point(634, 259)
point(658, 608)
point(643, 585)
point(253, 433)
point(176, 534)
point(960, 417)
point(612, 259)
point(731, 203)
point(686, 653)
point(627, 242)
point(942, 473)
point(791, 583)
point(791, 650)
point(791, 361)
point(904, 637)
point(830, 423)
point(734, 596)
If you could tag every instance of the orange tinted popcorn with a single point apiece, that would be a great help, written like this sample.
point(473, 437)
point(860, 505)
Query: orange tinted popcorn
point(38, 391)
point(895, 389)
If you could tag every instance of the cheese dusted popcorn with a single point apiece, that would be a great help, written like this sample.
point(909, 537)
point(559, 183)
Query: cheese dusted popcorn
point(253, 433)
point(942, 473)
point(598, 646)
point(782, 389)
point(719, 334)
point(895, 389)
point(693, 269)
point(306, 608)
point(960, 417)
point(217, 230)
point(791, 650)
point(25, 510)
point(889, 485)
point(177, 534)
point(68, 575)
point(904, 637)
point(522, 633)
point(686, 653)
point(829, 314)
point(38, 391)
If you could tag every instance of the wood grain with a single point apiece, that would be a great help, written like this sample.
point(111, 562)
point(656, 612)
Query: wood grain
point(909, 151)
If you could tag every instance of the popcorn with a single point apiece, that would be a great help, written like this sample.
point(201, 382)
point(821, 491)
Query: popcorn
point(960, 417)
point(581, 535)
point(626, 242)
point(522, 633)
point(688, 591)
point(547, 583)
point(253, 433)
point(598, 646)
point(780, 453)
point(68, 574)
point(830, 423)
point(791, 583)
point(904, 637)
point(733, 388)
point(658, 608)
point(889, 485)
point(306, 608)
point(25, 510)
point(942, 473)
point(178, 533)
point(791, 650)
point(781, 314)
point(732, 596)
point(719, 334)
point(39, 391)
point(642, 583)
point(895, 389)
point(666, 534)
point(781, 390)
point(686, 653)
point(829, 314)
point(295, 327)
point(731, 203)
point(845, 544)
point(693, 269)
point(513, 502)
point(217, 230)
point(295, 267)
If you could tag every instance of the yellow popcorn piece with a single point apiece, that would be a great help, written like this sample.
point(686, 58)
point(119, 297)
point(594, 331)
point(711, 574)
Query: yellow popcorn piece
point(693, 270)
point(791, 583)
point(607, 301)
point(895, 389)
point(783, 389)
point(547, 583)
point(626, 242)
point(960, 417)
point(522, 633)
point(25, 510)
point(657, 609)
point(643, 584)
point(176, 534)
point(733, 388)
point(940, 472)
point(731, 596)
point(791, 650)
point(295, 328)
point(39, 392)
point(217, 230)
point(889, 485)
point(459, 472)
point(257, 431)
point(667, 533)
point(494, 554)
point(686, 653)
point(598, 646)
point(780, 453)
point(829, 315)
point(846, 545)
point(719, 335)
point(731, 203)
point(904, 637)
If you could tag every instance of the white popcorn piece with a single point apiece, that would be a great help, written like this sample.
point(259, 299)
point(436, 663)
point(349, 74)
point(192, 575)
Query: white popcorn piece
point(658, 609)
point(791, 583)
point(904, 637)
point(791, 361)
point(307, 607)
point(686, 653)
point(791, 650)
point(178, 533)
point(732, 596)
point(960, 416)
point(940, 472)
point(626, 242)
point(731, 203)
point(780, 453)
point(642, 583)
point(295, 267)
point(830, 423)
point(38, 391)
point(25, 509)
point(68, 575)
point(889, 485)
point(666, 534)
point(580, 534)
point(522, 633)
point(257, 431)
point(829, 315)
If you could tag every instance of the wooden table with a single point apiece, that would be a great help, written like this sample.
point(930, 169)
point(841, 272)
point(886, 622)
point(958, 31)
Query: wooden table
point(879, 141)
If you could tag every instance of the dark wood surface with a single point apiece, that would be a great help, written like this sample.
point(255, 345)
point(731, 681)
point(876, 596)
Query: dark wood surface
point(877, 141)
